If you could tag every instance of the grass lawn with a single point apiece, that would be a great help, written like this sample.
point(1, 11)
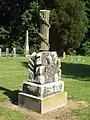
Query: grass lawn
point(13, 71)
point(77, 82)
point(76, 74)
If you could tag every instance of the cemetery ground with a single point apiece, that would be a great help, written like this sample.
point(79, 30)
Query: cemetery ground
point(76, 74)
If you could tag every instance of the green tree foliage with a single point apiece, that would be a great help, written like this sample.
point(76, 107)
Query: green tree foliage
point(84, 48)
point(85, 44)
point(10, 13)
point(29, 21)
point(4, 36)
point(20, 20)
point(68, 21)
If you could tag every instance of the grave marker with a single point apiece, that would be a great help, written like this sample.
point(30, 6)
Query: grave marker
point(14, 52)
point(44, 90)
point(7, 52)
point(26, 45)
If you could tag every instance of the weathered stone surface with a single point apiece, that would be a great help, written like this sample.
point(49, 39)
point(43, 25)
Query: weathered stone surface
point(43, 90)
point(43, 105)
point(44, 29)
point(45, 67)
point(48, 58)
point(40, 79)
point(31, 76)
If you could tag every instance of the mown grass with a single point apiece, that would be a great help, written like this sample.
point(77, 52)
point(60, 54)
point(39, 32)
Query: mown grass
point(76, 74)
point(13, 71)
point(8, 114)
point(77, 82)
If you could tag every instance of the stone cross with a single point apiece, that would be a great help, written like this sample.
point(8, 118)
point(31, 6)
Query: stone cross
point(44, 29)
point(27, 44)
point(14, 51)
point(0, 51)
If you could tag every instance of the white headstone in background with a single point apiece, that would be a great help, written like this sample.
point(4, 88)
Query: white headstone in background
point(7, 52)
point(14, 52)
point(0, 51)
point(27, 44)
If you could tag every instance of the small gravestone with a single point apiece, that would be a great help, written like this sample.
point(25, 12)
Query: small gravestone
point(44, 90)
point(64, 55)
point(0, 52)
point(14, 52)
point(7, 52)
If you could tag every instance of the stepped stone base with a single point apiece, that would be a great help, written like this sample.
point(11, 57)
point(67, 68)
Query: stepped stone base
point(42, 105)
point(43, 90)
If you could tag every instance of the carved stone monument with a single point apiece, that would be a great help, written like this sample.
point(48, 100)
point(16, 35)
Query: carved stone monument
point(44, 90)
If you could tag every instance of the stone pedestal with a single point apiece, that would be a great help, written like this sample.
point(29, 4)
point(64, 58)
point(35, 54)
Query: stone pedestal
point(43, 105)
point(44, 90)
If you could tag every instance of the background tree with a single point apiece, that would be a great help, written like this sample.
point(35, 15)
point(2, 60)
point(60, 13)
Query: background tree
point(68, 21)
point(68, 24)
point(84, 48)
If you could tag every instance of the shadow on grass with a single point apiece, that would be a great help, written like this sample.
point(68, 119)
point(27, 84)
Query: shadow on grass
point(25, 64)
point(76, 71)
point(12, 95)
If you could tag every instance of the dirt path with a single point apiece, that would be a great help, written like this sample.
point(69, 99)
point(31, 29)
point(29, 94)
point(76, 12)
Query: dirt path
point(64, 113)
